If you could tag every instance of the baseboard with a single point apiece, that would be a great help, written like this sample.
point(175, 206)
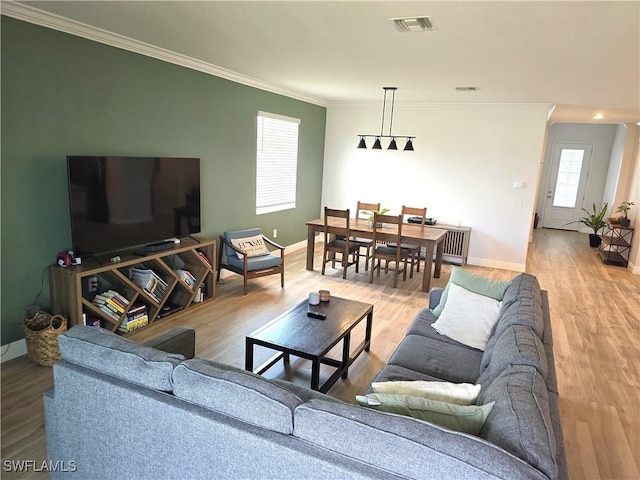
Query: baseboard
point(484, 262)
point(13, 350)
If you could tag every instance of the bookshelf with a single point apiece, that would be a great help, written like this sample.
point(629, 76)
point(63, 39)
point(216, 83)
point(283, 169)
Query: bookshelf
point(157, 281)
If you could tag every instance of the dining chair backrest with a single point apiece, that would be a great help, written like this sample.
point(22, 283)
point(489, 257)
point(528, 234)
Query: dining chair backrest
point(335, 213)
point(414, 212)
point(390, 220)
point(366, 207)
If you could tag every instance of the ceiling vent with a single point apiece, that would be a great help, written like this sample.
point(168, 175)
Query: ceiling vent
point(466, 89)
point(413, 24)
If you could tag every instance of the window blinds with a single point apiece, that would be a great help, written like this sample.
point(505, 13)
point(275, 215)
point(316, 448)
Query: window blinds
point(277, 162)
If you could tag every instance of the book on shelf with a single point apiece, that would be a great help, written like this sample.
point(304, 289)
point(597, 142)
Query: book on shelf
point(186, 277)
point(149, 281)
point(111, 303)
point(93, 322)
point(134, 323)
point(205, 258)
point(135, 318)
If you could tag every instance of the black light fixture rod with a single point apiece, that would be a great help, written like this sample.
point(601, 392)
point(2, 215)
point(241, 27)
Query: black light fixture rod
point(384, 106)
point(392, 145)
point(393, 102)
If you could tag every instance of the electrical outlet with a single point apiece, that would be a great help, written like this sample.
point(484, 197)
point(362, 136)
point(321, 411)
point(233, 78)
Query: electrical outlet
point(275, 233)
point(92, 284)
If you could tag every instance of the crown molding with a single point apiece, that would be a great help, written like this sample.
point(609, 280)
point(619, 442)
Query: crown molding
point(36, 16)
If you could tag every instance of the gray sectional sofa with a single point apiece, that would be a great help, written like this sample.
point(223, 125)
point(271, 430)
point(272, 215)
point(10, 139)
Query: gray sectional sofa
point(121, 410)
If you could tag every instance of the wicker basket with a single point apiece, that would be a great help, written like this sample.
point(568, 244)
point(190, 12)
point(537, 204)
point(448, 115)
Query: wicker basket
point(41, 332)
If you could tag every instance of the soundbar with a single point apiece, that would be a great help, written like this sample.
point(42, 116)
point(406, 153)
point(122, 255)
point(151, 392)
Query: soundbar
point(155, 247)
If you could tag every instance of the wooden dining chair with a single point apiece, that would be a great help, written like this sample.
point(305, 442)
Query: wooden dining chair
point(365, 243)
point(416, 250)
point(338, 240)
point(387, 252)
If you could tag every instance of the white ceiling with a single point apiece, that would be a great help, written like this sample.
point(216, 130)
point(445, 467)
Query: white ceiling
point(581, 57)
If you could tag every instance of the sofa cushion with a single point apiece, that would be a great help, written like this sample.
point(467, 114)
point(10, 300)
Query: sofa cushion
point(461, 418)
point(109, 353)
point(521, 421)
point(422, 325)
point(517, 345)
point(468, 317)
point(524, 285)
point(392, 373)
point(237, 393)
point(434, 451)
point(523, 311)
point(475, 283)
point(457, 393)
point(441, 360)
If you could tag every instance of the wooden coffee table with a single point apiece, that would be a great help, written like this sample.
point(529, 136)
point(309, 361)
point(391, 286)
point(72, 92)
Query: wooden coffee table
point(294, 333)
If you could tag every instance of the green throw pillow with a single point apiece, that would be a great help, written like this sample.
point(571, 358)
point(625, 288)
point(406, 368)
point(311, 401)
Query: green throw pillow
point(462, 418)
point(475, 283)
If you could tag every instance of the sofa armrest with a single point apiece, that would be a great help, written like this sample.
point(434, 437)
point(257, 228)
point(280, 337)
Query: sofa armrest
point(434, 297)
point(181, 340)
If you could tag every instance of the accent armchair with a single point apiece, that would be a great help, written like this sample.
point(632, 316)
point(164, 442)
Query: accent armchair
point(247, 255)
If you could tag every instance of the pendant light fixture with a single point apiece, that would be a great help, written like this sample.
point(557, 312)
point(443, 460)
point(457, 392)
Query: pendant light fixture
point(377, 144)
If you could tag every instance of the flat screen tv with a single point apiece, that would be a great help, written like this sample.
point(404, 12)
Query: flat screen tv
point(125, 202)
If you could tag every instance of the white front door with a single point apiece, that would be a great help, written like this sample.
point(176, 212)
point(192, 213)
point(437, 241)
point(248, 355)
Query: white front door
point(567, 180)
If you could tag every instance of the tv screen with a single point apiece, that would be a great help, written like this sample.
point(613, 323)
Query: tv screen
point(124, 202)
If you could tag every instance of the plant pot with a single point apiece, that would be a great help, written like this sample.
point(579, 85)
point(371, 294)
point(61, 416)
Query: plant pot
point(594, 240)
point(625, 222)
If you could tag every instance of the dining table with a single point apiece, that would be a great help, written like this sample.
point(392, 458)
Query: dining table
point(432, 239)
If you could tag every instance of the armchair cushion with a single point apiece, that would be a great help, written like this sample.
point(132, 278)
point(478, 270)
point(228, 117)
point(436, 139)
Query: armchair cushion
point(255, 263)
point(254, 246)
point(250, 232)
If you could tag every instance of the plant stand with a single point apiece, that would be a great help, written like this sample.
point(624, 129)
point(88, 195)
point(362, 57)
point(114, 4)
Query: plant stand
point(616, 244)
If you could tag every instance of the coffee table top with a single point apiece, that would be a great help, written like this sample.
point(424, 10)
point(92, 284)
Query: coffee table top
point(296, 332)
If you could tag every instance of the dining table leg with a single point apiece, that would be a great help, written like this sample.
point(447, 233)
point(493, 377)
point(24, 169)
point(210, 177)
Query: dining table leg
point(428, 262)
point(311, 243)
point(439, 255)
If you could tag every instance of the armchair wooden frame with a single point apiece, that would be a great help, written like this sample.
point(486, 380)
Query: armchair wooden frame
point(387, 252)
point(245, 271)
point(338, 241)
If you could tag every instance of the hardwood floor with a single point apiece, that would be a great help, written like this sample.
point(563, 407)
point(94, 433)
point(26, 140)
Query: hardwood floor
point(595, 312)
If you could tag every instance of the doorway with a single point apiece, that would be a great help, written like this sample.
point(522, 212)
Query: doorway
point(566, 186)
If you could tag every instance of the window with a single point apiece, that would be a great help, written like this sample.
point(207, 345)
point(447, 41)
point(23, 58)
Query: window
point(277, 163)
point(568, 180)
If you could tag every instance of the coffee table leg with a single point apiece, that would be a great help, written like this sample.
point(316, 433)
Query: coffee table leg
point(346, 346)
point(315, 374)
point(367, 334)
point(248, 356)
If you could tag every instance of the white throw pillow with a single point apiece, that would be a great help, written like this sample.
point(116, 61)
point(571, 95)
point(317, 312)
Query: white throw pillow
point(253, 246)
point(456, 393)
point(468, 317)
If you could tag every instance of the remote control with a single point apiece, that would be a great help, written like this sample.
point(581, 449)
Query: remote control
point(318, 315)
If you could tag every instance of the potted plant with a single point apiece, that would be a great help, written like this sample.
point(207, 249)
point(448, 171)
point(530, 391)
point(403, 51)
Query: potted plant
point(369, 214)
point(595, 221)
point(624, 208)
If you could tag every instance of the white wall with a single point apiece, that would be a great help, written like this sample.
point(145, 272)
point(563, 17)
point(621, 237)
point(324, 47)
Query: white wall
point(630, 190)
point(601, 137)
point(615, 163)
point(466, 160)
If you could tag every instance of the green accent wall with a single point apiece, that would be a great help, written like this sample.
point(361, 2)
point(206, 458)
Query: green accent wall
point(64, 95)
